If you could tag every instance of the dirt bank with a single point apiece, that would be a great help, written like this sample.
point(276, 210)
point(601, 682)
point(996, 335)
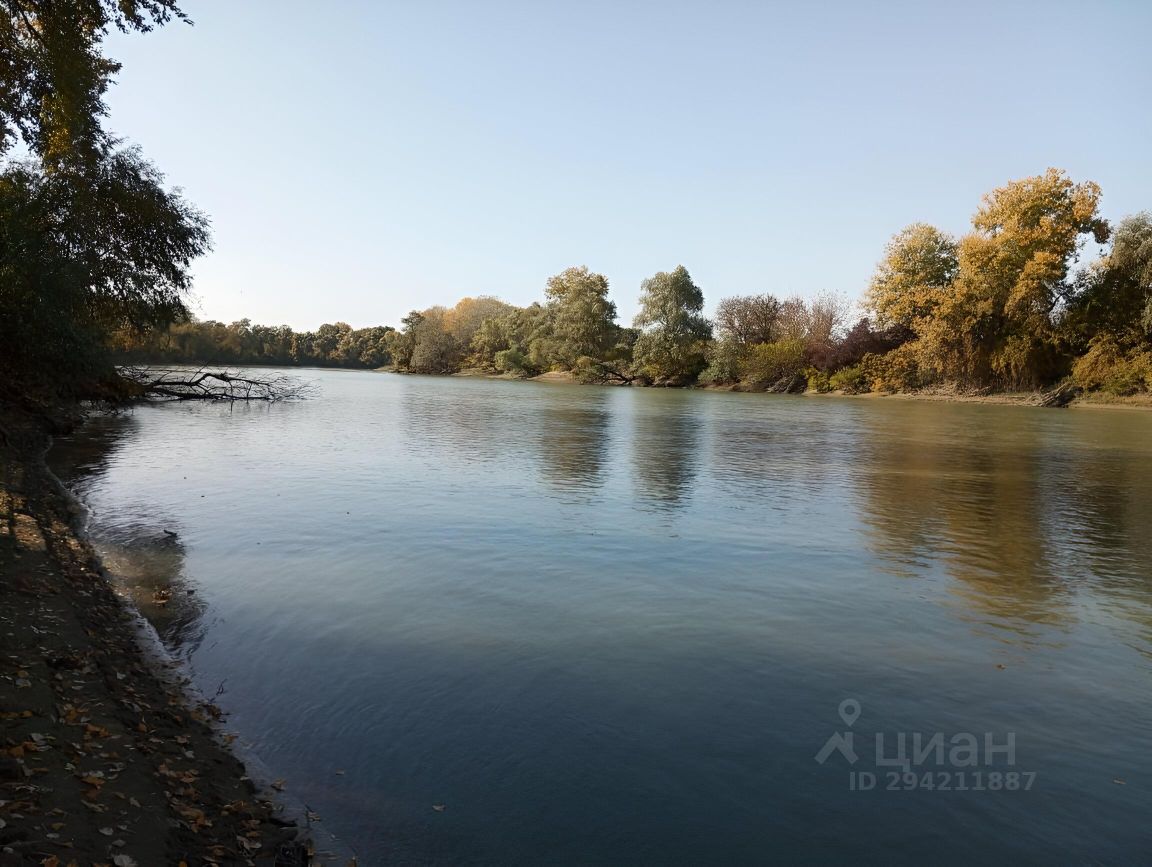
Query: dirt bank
point(104, 756)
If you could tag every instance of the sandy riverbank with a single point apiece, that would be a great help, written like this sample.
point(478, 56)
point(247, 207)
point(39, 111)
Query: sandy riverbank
point(105, 755)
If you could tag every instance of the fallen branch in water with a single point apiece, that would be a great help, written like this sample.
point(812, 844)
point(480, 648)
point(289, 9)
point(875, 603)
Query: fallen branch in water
point(215, 385)
point(1060, 396)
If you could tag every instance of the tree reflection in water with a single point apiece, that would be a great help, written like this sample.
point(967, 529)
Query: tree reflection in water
point(1022, 521)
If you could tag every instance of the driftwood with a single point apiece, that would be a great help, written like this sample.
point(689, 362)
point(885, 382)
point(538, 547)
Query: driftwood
point(215, 385)
point(797, 383)
point(1060, 396)
point(609, 373)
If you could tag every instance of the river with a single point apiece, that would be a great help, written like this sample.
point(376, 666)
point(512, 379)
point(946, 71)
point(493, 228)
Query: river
point(485, 622)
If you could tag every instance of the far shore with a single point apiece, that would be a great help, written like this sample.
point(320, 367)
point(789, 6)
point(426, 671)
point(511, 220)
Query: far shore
point(1089, 400)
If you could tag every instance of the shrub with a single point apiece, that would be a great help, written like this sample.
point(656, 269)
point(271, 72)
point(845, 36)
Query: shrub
point(862, 339)
point(1108, 367)
point(770, 362)
point(511, 361)
point(850, 380)
point(819, 381)
point(898, 370)
point(725, 363)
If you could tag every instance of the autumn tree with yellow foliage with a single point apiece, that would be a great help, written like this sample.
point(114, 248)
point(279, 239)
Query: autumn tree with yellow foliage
point(987, 310)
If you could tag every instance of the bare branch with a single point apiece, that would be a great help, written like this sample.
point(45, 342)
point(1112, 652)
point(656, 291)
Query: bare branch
point(215, 385)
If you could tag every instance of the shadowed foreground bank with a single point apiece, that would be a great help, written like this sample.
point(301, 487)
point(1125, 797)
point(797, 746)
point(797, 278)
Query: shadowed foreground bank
point(103, 756)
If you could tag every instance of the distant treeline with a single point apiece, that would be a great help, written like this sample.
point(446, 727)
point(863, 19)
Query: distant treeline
point(1007, 306)
point(193, 342)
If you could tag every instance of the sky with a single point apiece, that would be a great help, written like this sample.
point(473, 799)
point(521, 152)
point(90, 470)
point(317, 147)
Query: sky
point(362, 159)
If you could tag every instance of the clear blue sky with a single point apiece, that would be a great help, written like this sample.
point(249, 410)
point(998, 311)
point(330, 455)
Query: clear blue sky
point(360, 159)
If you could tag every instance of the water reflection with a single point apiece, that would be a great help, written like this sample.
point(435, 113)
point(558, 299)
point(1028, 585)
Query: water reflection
point(573, 442)
point(780, 459)
point(458, 424)
point(1101, 509)
point(665, 452)
point(472, 593)
point(1022, 521)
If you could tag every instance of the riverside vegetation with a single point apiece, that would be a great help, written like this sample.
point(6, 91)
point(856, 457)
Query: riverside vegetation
point(1008, 307)
point(95, 253)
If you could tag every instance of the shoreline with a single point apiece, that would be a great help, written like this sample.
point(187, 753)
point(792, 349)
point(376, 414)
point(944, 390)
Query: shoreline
point(107, 752)
point(1088, 400)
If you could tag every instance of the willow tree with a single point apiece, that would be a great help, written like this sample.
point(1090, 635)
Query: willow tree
point(583, 320)
point(672, 344)
point(1115, 294)
point(91, 240)
point(1110, 319)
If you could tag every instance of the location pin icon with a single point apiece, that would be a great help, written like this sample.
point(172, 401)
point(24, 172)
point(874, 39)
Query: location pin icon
point(849, 711)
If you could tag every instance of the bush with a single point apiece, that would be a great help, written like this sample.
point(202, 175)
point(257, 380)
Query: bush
point(819, 381)
point(1108, 367)
point(862, 339)
point(898, 370)
point(725, 363)
point(850, 380)
point(770, 362)
point(511, 361)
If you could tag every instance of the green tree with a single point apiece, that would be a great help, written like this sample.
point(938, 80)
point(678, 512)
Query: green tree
point(672, 344)
point(1114, 295)
point(90, 239)
point(518, 342)
point(402, 343)
point(1110, 319)
point(583, 320)
point(329, 338)
point(53, 74)
point(768, 363)
point(80, 260)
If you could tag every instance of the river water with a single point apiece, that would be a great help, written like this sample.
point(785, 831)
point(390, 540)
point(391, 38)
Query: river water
point(488, 622)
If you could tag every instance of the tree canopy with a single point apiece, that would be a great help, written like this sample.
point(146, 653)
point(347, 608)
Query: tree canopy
point(671, 344)
point(91, 240)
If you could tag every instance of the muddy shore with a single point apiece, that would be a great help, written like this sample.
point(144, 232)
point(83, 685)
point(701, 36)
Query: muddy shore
point(105, 756)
